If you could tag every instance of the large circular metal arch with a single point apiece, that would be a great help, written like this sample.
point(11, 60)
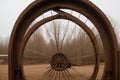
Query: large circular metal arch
point(63, 15)
point(82, 6)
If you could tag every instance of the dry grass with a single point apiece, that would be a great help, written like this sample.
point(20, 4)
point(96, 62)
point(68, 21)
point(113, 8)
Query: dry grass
point(35, 72)
point(3, 72)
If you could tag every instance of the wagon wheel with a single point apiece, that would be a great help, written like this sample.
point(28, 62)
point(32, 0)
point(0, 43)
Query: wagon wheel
point(60, 64)
point(61, 60)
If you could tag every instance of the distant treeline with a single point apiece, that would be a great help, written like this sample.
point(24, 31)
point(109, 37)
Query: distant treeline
point(72, 41)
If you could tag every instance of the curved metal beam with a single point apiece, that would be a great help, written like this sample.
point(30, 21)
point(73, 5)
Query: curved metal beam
point(63, 15)
point(94, 14)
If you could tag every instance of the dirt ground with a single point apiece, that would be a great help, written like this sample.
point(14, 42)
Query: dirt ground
point(37, 72)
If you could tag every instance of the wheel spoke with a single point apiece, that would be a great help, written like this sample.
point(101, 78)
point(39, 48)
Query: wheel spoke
point(64, 77)
point(55, 75)
point(65, 33)
point(56, 33)
point(66, 74)
point(80, 74)
point(37, 52)
point(46, 74)
point(70, 74)
point(73, 32)
point(52, 75)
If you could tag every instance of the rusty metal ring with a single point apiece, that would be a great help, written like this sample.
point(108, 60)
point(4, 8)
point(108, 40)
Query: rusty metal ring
point(75, 20)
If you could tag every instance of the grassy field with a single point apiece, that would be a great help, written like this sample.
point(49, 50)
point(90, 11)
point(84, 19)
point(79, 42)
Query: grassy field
point(36, 72)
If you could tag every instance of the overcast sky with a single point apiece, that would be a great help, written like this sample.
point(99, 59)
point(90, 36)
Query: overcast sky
point(11, 9)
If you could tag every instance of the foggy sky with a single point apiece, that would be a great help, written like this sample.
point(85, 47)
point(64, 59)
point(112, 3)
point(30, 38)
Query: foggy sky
point(11, 9)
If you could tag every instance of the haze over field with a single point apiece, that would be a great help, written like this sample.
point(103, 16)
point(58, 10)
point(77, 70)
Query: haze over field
point(60, 47)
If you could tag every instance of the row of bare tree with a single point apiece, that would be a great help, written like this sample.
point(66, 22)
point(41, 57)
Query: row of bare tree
point(72, 41)
point(4, 45)
point(57, 37)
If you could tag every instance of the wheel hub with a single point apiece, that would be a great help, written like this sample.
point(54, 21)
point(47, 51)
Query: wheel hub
point(59, 62)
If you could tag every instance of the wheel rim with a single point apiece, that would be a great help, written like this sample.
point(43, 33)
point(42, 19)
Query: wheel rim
point(47, 8)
